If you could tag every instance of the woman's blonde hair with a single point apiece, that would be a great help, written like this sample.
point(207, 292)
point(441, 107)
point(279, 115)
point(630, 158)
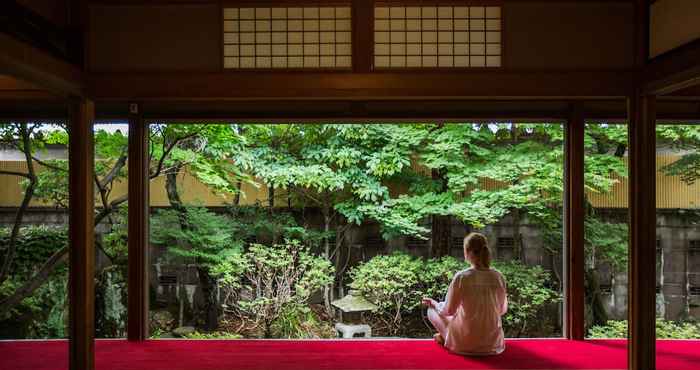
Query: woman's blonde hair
point(478, 246)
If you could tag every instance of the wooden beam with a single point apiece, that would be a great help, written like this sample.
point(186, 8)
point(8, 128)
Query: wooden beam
point(338, 85)
point(138, 226)
point(674, 71)
point(15, 89)
point(22, 21)
point(642, 208)
point(574, 227)
point(39, 68)
point(81, 236)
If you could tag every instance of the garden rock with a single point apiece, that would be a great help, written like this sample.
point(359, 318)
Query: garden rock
point(162, 320)
point(183, 331)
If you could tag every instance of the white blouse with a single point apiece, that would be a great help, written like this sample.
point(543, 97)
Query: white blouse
point(475, 301)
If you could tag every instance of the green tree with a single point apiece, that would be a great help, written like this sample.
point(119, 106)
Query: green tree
point(329, 167)
point(204, 151)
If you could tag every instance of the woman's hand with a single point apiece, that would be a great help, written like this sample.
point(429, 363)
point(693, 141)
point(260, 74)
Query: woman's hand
point(429, 302)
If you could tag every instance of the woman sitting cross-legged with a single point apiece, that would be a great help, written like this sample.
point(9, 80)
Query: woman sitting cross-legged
point(469, 321)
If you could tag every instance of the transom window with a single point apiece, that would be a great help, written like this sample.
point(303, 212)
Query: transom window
point(437, 36)
point(281, 37)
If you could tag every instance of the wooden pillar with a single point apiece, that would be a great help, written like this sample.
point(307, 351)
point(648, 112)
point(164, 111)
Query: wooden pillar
point(642, 221)
point(574, 216)
point(362, 35)
point(641, 112)
point(137, 315)
point(81, 236)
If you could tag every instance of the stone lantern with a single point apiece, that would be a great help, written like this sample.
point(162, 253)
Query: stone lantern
point(351, 307)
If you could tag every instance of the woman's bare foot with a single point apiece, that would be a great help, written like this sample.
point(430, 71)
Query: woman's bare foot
point(439, 339)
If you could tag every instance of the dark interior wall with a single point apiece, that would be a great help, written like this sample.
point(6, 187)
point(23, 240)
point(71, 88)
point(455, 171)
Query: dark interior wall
point(673, 23)
point(537, 35)
point(551, 35)
point(155, 37)
point(55, 11)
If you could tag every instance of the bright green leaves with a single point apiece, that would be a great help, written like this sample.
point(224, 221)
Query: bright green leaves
point(684, 139)
point(607, 242)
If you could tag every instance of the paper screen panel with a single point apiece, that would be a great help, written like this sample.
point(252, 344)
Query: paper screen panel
point(437, 36)
point(288, 38)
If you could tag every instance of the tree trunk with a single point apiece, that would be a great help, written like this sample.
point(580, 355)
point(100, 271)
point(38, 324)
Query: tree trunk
point(28, 195)
point(518, 250)
point(595, 301)
point(211, 304)
point(271, 198)
point(327, 290)
point(441, 228)
point(440, 231)
point(237, 198)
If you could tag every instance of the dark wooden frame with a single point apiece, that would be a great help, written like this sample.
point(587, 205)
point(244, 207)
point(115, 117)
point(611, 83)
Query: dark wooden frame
point(138, 237)
point(574, 216)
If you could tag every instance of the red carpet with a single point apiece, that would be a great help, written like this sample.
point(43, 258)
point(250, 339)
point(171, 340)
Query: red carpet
point(339, 355)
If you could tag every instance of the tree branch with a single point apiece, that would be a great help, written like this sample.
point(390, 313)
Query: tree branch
point(118, 165)
point(166, 151)
point(48, 165)
point(28, 195)
point(14, 173)
point(56, 260)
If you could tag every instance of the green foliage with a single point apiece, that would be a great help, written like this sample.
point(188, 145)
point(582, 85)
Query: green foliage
point(684, 139)
point(529, 294)
point(392, 282)
point(298, 321)
point(46, 306)
point(211, 335)
point(256, 223)
point(35, 244)
point(607, 242)
point(437, 275)
point(196, 234)
point(665, 329)
point(277, 276)
point(115, 240)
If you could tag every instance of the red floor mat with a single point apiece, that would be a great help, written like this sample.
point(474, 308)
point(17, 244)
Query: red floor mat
point(339, 355)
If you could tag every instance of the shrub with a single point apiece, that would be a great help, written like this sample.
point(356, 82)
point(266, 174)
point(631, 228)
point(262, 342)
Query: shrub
point(34, 245)
point(297, 321)
point(437, 275)
point(42, 314)
point(392, 282)
point(528, 296)
point(213, 335)
point(665, 329)
point(277, 276)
